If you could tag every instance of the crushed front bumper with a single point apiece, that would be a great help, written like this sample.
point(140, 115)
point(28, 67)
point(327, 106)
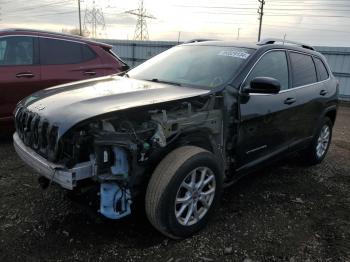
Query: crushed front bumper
point(66, 178)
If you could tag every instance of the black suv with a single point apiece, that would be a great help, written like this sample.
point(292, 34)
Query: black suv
point(172, 132)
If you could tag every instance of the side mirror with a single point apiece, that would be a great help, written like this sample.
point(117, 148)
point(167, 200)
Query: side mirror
point(125, 68)
point(263, 85)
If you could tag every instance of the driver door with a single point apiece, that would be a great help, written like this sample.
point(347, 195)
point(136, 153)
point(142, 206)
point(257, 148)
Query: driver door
point(267, 120)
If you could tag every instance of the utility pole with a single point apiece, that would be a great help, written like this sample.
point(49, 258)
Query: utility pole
point(238, 33)
point(178, 37)
point(261, 14)
point(80, 32)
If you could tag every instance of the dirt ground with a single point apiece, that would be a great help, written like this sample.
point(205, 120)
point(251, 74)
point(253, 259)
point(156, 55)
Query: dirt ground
point(283, 213)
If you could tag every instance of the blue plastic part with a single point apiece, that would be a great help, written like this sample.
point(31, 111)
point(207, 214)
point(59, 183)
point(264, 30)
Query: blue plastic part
point(121, 165)
point(115, 202)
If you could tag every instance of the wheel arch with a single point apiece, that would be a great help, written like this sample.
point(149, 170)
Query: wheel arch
point(200, 138)
point(331, 113)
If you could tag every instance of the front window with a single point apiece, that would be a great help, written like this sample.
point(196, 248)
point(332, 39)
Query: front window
point(273, 64)
point(199, 66)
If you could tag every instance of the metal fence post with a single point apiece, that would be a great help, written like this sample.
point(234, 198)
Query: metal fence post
point(133, 54)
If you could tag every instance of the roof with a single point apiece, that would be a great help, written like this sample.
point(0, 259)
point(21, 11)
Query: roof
point(268, 44)
point(284, 42)
point(55, 34)
point(225, 44)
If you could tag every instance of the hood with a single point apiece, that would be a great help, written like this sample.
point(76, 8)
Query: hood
point(67, 105)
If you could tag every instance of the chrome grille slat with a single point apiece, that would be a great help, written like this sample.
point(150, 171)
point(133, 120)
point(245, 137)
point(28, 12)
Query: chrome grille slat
point(27, 128)
point(37, 133)
point(52, 142)
point(43, 136)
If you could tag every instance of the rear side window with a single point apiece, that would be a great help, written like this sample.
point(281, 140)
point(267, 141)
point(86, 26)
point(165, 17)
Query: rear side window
point(59, 52)
point(88, 54)
point(3, 44)
point(303, 69)
point(321, 69)
point(16, 50)
point(273, 64)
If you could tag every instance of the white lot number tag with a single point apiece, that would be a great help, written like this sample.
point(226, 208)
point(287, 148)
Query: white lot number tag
point(234, 53)
point(105, 156)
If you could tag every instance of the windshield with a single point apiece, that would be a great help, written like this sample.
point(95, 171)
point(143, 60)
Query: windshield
point(199, 66)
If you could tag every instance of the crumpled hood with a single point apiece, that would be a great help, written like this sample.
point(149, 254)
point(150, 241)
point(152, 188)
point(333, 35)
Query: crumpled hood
point(67, 105)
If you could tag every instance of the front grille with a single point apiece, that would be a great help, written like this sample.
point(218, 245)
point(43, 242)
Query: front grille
point(37, 133)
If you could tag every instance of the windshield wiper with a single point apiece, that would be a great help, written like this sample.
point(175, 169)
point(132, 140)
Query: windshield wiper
point(156, 80)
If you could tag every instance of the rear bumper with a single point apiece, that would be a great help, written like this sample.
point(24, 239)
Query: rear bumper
point(66, 178)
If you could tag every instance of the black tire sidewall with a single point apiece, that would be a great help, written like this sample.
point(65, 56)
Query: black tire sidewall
point(167, 203)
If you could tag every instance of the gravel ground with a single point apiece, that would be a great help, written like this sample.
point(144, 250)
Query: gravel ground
point(283, 213)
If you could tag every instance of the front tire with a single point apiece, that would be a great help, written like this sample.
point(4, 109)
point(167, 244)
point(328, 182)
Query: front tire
point(183, 191)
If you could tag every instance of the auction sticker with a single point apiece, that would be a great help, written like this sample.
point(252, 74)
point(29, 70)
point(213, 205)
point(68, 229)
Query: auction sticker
point(234, 53)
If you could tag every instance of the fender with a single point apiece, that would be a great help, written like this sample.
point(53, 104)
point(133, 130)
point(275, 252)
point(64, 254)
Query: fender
point(332, 108)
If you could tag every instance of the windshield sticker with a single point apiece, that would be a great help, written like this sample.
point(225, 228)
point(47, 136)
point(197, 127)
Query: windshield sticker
point(234, 53)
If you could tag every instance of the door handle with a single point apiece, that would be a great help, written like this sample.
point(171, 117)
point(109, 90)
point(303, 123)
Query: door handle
point(90, 73)
point(290, 100)
point(323, 92)
point(25, 75)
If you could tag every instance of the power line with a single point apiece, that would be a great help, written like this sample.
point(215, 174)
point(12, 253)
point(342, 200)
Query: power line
point(270, 9)
point(307, 5)
point(215, 7)
point(36, 7)
point(275, 14)
point(46, 14)
point(308, 28)
point(224, 13)
point(310, 1)
point(308, 15)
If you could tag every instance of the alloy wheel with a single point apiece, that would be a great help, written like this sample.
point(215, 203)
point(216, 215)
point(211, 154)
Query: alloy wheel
point(323, 141)
point(195, 196)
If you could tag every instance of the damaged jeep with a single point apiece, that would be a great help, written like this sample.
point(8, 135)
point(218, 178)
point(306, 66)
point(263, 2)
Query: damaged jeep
point(174, 131)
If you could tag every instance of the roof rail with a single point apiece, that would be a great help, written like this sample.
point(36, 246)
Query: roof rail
point(41, 31)
point(270, 41)
point(198, 40)
point(70, 36)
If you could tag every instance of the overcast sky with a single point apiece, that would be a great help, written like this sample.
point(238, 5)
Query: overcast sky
point(317, 22)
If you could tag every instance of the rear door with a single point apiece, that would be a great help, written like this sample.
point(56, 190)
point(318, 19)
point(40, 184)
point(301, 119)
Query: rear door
point(323, 91)
point(309, 95)
point(267, 120)
point(65, 61)
point(19, 71)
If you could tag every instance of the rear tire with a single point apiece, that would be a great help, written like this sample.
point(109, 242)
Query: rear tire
point(319, 146)
point(183, 191)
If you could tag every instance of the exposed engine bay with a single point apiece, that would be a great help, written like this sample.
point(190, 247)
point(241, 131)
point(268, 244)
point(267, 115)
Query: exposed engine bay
point(124, 148)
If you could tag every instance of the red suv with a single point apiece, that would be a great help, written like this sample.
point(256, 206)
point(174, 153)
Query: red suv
point(31, 60)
